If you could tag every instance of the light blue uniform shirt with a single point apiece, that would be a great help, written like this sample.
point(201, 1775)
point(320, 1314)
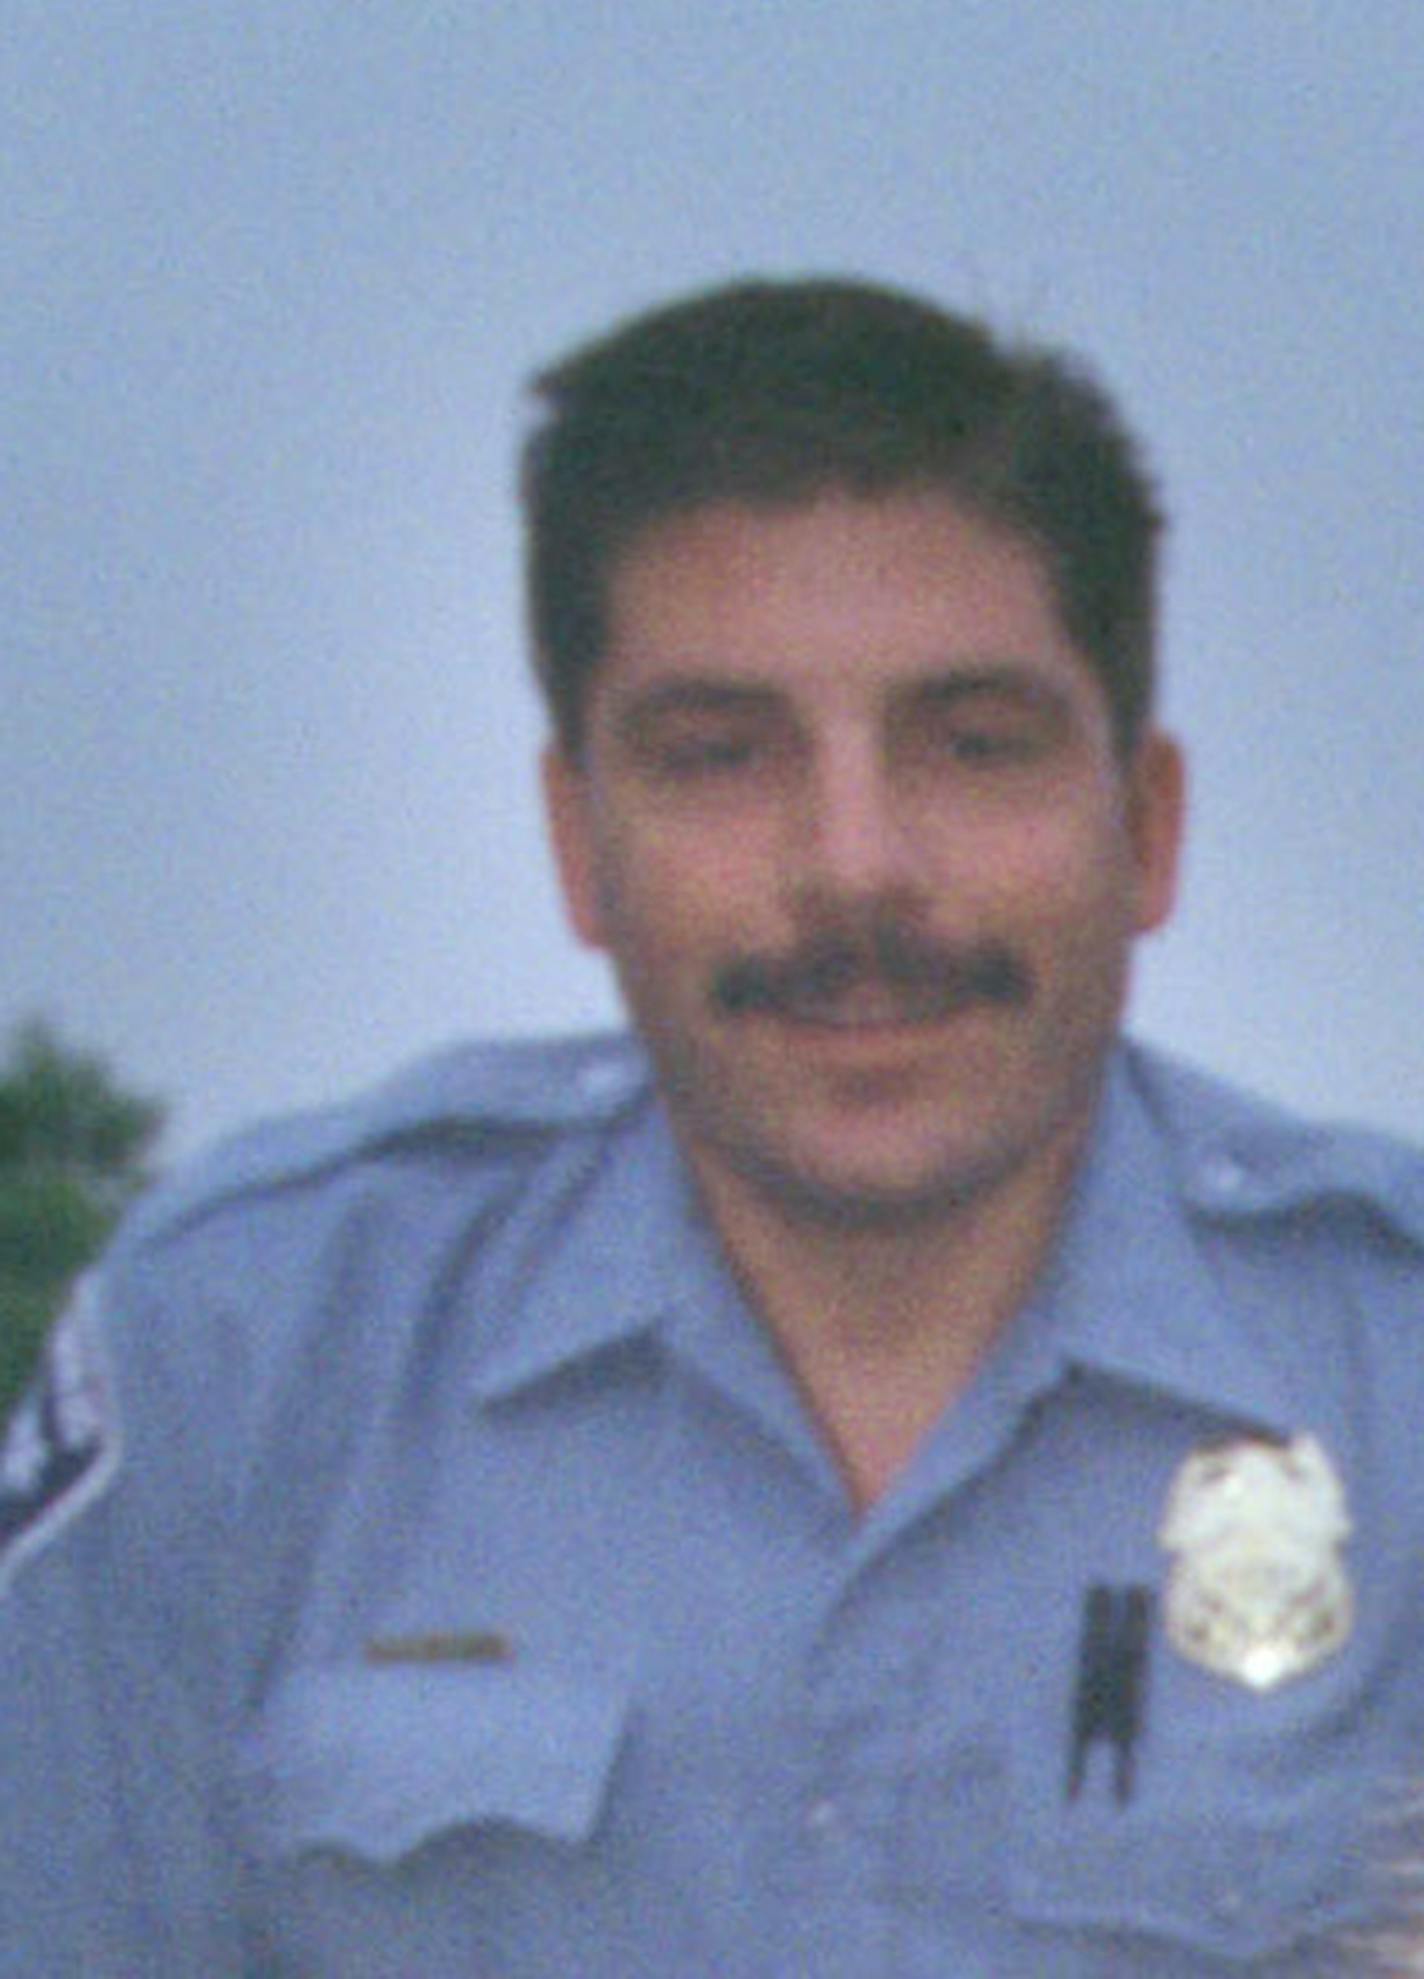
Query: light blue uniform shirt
point(424, 1565)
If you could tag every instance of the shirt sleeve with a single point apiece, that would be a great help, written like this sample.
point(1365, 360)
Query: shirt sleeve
point(114, 1853)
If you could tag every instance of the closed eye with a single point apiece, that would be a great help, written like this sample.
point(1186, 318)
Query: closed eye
point(701, 755)
point(983, 724)
point(691, 733)
point(993, 745)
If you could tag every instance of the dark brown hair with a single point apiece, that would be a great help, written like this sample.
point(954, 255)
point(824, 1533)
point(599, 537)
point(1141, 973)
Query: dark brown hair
point(773, 393)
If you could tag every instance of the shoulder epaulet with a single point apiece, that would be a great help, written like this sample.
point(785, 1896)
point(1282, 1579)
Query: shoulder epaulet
point(1242, 1156)
point(488, 1092)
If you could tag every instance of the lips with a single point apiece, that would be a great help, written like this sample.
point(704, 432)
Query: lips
point(872, 1008)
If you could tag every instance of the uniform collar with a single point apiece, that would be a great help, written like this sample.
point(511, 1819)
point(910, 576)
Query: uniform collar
point(628, 1256)
point(615, 1250)
point(1131, 1293)
point(596, 1262)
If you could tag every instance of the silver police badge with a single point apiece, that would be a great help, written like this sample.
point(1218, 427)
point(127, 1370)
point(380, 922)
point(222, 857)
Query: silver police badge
point(1258, 1590)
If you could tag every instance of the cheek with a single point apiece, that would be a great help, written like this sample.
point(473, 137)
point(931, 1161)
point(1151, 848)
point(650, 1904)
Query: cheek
point(685, 880)
point(664, 905)
point(1049, 872)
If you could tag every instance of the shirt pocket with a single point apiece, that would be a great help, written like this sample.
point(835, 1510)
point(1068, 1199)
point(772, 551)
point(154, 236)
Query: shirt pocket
point(375, 1763)
point(1222, 1867)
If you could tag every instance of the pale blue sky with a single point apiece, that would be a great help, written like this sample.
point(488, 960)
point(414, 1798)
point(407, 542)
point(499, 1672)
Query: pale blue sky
point(274, 277)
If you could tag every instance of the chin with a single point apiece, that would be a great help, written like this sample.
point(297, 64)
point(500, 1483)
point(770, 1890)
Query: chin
point(885, 1196)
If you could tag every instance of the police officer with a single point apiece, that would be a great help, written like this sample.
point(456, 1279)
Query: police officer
point(873, 1474)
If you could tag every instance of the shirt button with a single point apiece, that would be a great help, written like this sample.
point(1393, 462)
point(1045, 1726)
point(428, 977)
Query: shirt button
point(605, 1079)
point(822, 1816)
point(1223, 1174)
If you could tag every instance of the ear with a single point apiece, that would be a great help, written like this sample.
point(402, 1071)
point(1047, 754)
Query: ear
point(1157, 802)
point(568, 810)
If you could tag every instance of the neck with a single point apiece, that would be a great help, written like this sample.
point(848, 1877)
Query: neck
point(884, 1324)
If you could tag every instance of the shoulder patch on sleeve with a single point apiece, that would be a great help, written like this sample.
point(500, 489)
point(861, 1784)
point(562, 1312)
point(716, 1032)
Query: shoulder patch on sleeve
point(61, 1449)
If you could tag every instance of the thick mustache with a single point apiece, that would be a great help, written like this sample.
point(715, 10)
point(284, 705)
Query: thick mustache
point(921, 977)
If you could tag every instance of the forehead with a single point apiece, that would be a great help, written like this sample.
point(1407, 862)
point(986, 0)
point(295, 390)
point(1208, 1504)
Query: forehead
point(845, 591)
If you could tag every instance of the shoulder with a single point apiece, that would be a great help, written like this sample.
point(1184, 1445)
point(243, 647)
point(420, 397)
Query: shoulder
point(1242, 1159)
point(485, 1105)
point(341, 1229)
point(274, 1293)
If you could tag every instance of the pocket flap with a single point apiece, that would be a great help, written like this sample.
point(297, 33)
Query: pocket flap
point(375, 1762)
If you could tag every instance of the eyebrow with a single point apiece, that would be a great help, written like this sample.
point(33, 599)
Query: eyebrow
point(1007, 680)
point(987, 679)
point(641, 712)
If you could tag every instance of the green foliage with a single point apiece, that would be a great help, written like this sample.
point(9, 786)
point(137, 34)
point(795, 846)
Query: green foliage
point(74, 1149)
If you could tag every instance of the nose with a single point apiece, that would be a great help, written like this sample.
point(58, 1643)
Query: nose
point(854, 839)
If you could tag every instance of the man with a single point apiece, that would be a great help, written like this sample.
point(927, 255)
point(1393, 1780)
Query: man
point(880, 1476)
